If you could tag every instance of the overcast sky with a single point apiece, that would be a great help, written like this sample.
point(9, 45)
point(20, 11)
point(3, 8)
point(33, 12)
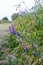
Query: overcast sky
point(7, 7)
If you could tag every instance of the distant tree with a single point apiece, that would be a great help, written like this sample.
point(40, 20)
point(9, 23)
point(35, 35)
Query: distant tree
point(5, 18)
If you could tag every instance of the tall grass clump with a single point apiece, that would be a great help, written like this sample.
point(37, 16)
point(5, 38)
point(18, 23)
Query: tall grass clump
point(27, 38)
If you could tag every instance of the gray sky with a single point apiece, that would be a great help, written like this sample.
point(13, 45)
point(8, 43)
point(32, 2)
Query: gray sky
point(7, 7)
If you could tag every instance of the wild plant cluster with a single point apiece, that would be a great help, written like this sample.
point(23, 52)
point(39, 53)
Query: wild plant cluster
point(26, 39)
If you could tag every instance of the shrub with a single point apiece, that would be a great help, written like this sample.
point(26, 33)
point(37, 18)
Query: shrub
point(29, 35)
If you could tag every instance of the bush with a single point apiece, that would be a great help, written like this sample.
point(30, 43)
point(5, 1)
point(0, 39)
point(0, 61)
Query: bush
point(29, 35)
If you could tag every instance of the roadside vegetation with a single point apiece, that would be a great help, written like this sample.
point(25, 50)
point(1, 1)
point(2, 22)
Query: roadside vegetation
point(24, 44)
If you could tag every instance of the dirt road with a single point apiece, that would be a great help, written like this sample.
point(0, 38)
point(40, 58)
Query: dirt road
point(4, 30)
